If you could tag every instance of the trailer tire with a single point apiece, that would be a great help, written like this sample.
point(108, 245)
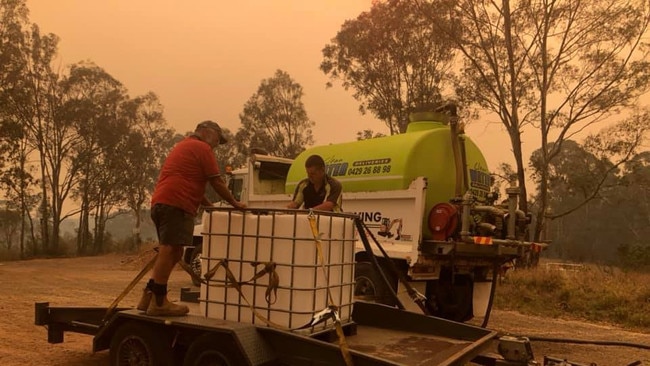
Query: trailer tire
point(368, 284)
point(209, 350)
point(140, 344)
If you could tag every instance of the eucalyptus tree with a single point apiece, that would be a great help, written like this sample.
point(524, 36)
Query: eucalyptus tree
point(29, 98)
point(573, 177)
point(234, 153)
point(18, 182)
point(142, 150)
point(275, 119)
point(635, 251)
point(91, 107)
point(394, 58)
point(368, 134)
point(588, 186)
point(553, 68)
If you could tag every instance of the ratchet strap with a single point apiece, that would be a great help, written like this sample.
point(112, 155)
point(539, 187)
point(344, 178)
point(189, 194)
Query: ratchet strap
point(196, 278)
point(269, 268)
point(138, 277)
point(327, 313)
point(343, 344)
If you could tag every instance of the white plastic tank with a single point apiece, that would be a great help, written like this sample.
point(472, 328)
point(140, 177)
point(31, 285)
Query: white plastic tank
point(247, 242)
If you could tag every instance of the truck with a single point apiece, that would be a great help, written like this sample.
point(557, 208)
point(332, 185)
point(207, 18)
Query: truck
point(424, 197)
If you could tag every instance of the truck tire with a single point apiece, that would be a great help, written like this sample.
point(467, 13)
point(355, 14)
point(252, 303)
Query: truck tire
point(138, 344)
point(369, 285)
point(210, 350)
point(451, 300)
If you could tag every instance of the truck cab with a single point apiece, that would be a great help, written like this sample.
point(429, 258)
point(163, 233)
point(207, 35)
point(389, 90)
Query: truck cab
point(265, 187)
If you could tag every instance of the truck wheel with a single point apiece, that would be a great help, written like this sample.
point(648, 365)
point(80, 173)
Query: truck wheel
point(195, 263)
point(209, 350)
point(451, 301)
point(369, 285)
point(137, 344)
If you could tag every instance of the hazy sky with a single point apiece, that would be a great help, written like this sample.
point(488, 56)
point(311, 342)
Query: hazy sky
point(205, 58)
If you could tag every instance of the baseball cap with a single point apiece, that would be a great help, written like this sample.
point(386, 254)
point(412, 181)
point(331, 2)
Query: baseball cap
point(213, 125)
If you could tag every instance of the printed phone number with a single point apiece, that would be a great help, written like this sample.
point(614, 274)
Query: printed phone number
point(369, 170)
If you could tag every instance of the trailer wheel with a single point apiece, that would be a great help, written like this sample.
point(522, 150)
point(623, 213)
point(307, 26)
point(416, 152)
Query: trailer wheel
point(209, 350)
point(368, 284)
point(137, 344)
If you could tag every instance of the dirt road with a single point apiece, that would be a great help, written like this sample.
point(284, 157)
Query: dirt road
point(96, 281)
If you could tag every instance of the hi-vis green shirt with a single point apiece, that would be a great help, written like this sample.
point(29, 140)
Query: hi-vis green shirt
point(307, 194)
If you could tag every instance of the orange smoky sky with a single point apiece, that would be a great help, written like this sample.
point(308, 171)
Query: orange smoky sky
point(205, 58)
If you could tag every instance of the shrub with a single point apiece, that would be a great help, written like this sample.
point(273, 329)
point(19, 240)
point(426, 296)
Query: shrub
point(593, 293)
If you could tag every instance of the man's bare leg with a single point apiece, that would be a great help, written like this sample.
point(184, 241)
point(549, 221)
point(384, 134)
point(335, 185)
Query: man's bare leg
point(168, 256)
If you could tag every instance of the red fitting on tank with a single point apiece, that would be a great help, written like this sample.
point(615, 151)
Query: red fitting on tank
point(443, 221)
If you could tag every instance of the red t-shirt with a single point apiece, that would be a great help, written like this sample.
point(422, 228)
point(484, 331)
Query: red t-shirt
point(184, 175)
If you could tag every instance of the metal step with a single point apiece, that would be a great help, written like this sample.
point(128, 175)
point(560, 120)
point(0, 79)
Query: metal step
point(190, 294)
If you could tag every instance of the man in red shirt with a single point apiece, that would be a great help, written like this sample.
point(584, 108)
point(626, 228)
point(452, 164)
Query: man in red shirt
point(179, 192)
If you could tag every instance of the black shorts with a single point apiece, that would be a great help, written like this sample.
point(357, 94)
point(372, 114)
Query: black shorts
point(173, 225)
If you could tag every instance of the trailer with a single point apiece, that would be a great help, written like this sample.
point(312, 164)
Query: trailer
point(278, 289)
point(380, 335)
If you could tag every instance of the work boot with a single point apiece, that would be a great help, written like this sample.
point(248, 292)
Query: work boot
point(166, 309)
point(143, 304)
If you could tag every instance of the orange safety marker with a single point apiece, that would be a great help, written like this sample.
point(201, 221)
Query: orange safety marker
point(483, 240)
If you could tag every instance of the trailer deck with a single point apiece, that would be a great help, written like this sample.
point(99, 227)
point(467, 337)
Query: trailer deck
point(378, 335)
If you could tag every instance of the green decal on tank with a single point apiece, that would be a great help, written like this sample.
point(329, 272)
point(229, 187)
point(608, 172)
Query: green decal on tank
point(480, 181)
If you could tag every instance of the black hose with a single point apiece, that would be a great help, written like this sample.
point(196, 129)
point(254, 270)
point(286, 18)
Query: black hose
point(587, 341)
point(400, 276)
point(495, 272)
point(373, 259)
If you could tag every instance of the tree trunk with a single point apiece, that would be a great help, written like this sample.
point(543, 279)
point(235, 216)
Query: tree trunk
point(100, 227)
point(45, 238)
point(543, 202)
point(56, 210)
point(137, 239)
point(521, 172)
point(23, 213)
point(83, 233)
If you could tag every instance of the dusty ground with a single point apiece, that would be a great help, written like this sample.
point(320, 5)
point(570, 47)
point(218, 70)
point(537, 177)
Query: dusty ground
point(96, 281)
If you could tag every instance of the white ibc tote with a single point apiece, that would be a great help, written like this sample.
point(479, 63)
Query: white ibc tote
point(245, 242)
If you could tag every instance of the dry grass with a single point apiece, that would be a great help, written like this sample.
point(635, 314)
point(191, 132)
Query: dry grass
point(589, 292)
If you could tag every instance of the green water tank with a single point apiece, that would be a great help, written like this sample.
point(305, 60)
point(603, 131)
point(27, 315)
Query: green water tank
point(393, 162)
